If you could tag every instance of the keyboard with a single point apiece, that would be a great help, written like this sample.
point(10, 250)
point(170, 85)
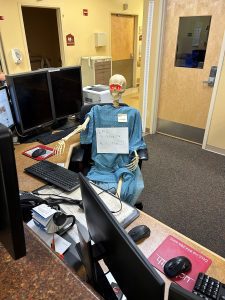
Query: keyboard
point(54, 174)
point(209, 288)
point(52, 137)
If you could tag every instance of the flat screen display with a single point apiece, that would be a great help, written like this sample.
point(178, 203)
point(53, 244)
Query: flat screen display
point(67, 91)
point(5, 110)
point(31, 100)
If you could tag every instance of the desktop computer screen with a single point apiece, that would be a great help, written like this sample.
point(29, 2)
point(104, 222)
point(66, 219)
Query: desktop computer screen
point(67, 91)
point(5, 110)
point(31, 99)
point(135, 276)
point(11, 223)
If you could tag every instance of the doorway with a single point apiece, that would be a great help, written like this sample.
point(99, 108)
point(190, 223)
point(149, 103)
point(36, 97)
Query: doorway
point(192, 42)
point(122, 46)
point(41, 29)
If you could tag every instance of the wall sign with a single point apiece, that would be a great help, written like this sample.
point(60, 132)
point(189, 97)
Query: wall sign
point(70, 40)
point(85, 12)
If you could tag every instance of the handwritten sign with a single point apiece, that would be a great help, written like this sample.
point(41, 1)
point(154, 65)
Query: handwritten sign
point(112, 140)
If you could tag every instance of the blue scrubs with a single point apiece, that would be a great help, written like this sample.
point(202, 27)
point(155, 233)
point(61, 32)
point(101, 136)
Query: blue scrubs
point(109, 167)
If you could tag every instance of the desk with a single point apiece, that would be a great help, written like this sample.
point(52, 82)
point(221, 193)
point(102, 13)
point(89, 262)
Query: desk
point(159, 231)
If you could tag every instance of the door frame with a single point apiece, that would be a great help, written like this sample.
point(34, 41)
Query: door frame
point(157, 75)
point(214, 94)
point(2, 57)
point(59, 27)
point(135, 42)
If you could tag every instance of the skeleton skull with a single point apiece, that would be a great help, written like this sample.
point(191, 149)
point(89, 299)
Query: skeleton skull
point(117, 86)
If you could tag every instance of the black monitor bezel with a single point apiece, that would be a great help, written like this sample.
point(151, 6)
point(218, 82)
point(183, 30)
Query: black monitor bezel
point(11, 222)
point(51, 70)
point(176, 292)
point(12, 91)
point(149, 269)
point(8, 96)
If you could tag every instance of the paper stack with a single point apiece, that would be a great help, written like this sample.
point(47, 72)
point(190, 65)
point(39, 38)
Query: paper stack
point(42, 216)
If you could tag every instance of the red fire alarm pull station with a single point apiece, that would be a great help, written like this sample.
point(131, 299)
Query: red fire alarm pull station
point(1, 18)
point(70, 40)
point(85, 12)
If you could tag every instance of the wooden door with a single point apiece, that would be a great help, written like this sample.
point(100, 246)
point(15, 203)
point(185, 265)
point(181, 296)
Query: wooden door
point(122, 46)
point(184, 95)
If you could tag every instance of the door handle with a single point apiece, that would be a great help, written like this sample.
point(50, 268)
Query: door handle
point(212, 76)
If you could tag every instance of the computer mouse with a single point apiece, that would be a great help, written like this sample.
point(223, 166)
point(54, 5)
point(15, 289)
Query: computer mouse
point(38, 152)
point(139, 232)
point(176, 266)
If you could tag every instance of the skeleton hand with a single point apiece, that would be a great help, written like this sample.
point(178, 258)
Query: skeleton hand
point(132, 166)
point(60, 147)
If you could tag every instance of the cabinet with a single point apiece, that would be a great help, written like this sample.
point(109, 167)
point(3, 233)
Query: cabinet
point(96, 70)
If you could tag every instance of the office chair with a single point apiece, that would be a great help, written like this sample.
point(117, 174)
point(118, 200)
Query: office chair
point(80, 159)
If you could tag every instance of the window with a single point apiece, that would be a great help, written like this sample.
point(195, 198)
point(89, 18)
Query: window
point(192, 41)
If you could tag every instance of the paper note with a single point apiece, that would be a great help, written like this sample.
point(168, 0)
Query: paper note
point(112, 140)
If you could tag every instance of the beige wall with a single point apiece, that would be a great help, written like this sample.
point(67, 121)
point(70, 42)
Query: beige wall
point(216, 136)
point(72, 21)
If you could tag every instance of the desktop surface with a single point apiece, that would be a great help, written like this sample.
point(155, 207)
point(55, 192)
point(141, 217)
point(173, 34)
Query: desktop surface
point(159, 231)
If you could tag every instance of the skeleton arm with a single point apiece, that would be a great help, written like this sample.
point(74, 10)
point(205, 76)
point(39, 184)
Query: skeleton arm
point(132, 166)
point(60, 147)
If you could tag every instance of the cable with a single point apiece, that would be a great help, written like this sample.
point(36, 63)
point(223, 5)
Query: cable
point(65, 199)
point(121, 205)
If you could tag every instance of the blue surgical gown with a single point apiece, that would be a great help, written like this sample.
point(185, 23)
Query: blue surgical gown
point(109, 167)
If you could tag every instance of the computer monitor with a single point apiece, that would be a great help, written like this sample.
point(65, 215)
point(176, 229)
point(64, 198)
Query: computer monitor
point(31, 99)
point(67, 91)
point(11, 224)
point(176, 292)
point(5, 110)
point(135, 276)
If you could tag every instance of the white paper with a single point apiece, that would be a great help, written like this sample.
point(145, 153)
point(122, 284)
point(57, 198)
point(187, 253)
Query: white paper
point(44, 211)
point(61, 245)
point(122, 118)
point(112, 140)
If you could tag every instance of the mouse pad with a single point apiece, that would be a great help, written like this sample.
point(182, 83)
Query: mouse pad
point(172, 247)
point(49, 152)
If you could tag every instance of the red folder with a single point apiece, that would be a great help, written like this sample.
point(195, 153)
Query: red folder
point(172, 247)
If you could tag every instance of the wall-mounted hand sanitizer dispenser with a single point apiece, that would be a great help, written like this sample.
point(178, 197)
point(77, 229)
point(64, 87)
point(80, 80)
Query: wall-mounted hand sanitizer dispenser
point(16, 55)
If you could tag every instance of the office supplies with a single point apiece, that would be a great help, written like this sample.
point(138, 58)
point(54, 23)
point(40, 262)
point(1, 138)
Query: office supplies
point(125, 216)
point(173, 247)
point(5, 110)
point(52, 173)
point(61, 245)
point(176, 266)
point(208, 287)
point(51, 137)
point(121, 255)
point(27, 202)
point(139, 232)
point(11, 223)
point(39, 152)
